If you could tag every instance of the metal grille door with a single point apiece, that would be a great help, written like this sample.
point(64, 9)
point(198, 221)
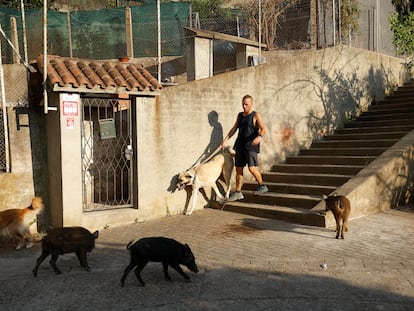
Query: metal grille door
point(107, 152)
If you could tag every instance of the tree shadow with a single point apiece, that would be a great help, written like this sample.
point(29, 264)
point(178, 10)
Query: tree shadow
point(402, 186)
point(340, 91)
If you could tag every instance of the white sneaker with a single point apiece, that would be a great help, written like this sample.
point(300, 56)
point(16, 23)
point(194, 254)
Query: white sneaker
point(236, 196)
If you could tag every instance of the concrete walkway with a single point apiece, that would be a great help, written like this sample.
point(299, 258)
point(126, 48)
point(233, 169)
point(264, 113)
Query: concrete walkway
point(246, 263)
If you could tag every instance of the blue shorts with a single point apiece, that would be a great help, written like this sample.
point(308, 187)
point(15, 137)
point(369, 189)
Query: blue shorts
point(246, 157)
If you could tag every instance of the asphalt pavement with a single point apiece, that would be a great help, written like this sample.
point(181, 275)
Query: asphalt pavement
point(245, 263)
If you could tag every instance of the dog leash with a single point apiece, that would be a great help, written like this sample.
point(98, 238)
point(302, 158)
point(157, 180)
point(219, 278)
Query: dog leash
point(208, 158)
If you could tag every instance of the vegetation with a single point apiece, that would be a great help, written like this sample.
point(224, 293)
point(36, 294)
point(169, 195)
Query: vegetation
point(349, 19)
point(28, 4)
point(402, 26)
point(271, 11)
point(209, 8)
point(71, 4)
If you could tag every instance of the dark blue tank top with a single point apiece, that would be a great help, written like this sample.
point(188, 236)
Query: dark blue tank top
point(247, 132)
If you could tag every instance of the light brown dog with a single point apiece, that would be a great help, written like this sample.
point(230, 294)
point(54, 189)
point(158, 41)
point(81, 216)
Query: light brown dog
point(15, 222)
point(341, 208)
point(206, 175)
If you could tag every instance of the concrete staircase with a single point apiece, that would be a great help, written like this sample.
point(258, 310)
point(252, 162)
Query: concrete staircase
point(297, 186)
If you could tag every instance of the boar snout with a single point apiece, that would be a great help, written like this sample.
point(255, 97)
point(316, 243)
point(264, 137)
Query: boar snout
point(193, 268)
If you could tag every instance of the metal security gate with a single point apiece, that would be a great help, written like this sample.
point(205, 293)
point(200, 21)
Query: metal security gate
point(107, 152)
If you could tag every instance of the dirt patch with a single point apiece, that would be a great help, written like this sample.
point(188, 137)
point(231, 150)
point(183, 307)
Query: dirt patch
point(234, 229)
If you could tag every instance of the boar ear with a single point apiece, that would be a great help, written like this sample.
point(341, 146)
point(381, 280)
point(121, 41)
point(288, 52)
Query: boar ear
point(96, 234)
point(324, 196)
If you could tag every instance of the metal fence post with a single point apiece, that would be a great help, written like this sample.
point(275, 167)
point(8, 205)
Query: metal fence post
point(4, 111)
point(128, 32)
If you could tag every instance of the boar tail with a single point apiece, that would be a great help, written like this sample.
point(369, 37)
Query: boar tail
point(129, 244)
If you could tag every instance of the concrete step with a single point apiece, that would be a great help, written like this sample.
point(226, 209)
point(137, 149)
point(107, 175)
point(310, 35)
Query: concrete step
point(362, 151)
point(304, 178)
point(295, 215)
point(375, 123)
point(388, 108)
point(386, 115)
point(365, 136)
point(407, 95)
point(390, 99)
point(333, 144)
point(281, 199)
point(305, 189)
point(317, 169)
point(375, 129)
point(403, 91)
point(330, 160)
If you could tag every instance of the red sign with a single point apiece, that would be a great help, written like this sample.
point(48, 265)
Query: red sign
point(70, 123)
point(70, 108)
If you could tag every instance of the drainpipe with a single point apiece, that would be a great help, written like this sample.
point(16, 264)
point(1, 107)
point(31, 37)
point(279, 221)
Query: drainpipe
point(334, 22)
point(24, 32)
point(45, 103)
point(4, 110)
point(260, 31)
point(159, 40)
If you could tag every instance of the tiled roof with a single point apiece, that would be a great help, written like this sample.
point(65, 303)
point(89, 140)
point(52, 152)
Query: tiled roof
point(106, 76)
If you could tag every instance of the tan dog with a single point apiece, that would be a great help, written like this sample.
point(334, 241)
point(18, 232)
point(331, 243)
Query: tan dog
point(341, 208)
point(15, 222)
point(206, 175)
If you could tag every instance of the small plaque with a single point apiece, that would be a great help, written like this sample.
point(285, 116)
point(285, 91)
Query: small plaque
point(107, 128)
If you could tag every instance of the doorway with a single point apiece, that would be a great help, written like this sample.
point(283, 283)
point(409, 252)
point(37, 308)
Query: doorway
point(107, 153)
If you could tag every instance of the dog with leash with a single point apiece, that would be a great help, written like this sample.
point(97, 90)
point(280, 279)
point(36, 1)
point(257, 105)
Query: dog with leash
point(207, 173)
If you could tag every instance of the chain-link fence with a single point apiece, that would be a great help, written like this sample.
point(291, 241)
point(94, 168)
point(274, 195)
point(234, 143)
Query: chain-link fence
point(115, 33)
point(104, 34)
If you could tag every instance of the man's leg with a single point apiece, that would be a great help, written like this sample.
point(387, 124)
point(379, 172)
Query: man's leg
point(239, 178)
point(238, 195)
point(256, 174)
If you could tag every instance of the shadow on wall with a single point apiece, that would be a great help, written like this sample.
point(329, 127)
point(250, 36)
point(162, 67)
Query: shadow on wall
point(402, 195)
point(380, 82)
point(38, 140)
point(216, 137)
point(343, 96)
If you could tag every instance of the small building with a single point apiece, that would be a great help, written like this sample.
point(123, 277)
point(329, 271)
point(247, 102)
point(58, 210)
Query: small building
point(92, 124)
point(209, 53)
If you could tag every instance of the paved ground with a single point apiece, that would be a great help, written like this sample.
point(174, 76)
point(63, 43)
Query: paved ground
point(245, 263)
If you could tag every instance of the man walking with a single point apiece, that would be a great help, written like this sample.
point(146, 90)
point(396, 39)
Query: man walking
point(247, 146)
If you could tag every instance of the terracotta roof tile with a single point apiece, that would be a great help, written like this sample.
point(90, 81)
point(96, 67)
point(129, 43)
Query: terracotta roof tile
point(94, 74)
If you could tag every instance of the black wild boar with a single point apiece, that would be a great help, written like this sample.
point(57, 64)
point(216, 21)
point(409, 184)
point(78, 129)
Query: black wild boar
point(159, 249)
point(59, 241)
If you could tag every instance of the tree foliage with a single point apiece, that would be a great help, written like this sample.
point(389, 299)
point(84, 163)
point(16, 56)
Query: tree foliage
point(403, 7)
point(209, 8)
point(349, 19)
point(402, 27)
point(28, 4)
point(271, 11)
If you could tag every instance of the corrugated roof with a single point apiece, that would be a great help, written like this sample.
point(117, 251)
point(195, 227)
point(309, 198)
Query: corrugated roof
point(96, 76)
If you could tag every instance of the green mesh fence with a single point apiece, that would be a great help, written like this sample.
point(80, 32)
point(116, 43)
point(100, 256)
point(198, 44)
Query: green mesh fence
point(101, 34)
